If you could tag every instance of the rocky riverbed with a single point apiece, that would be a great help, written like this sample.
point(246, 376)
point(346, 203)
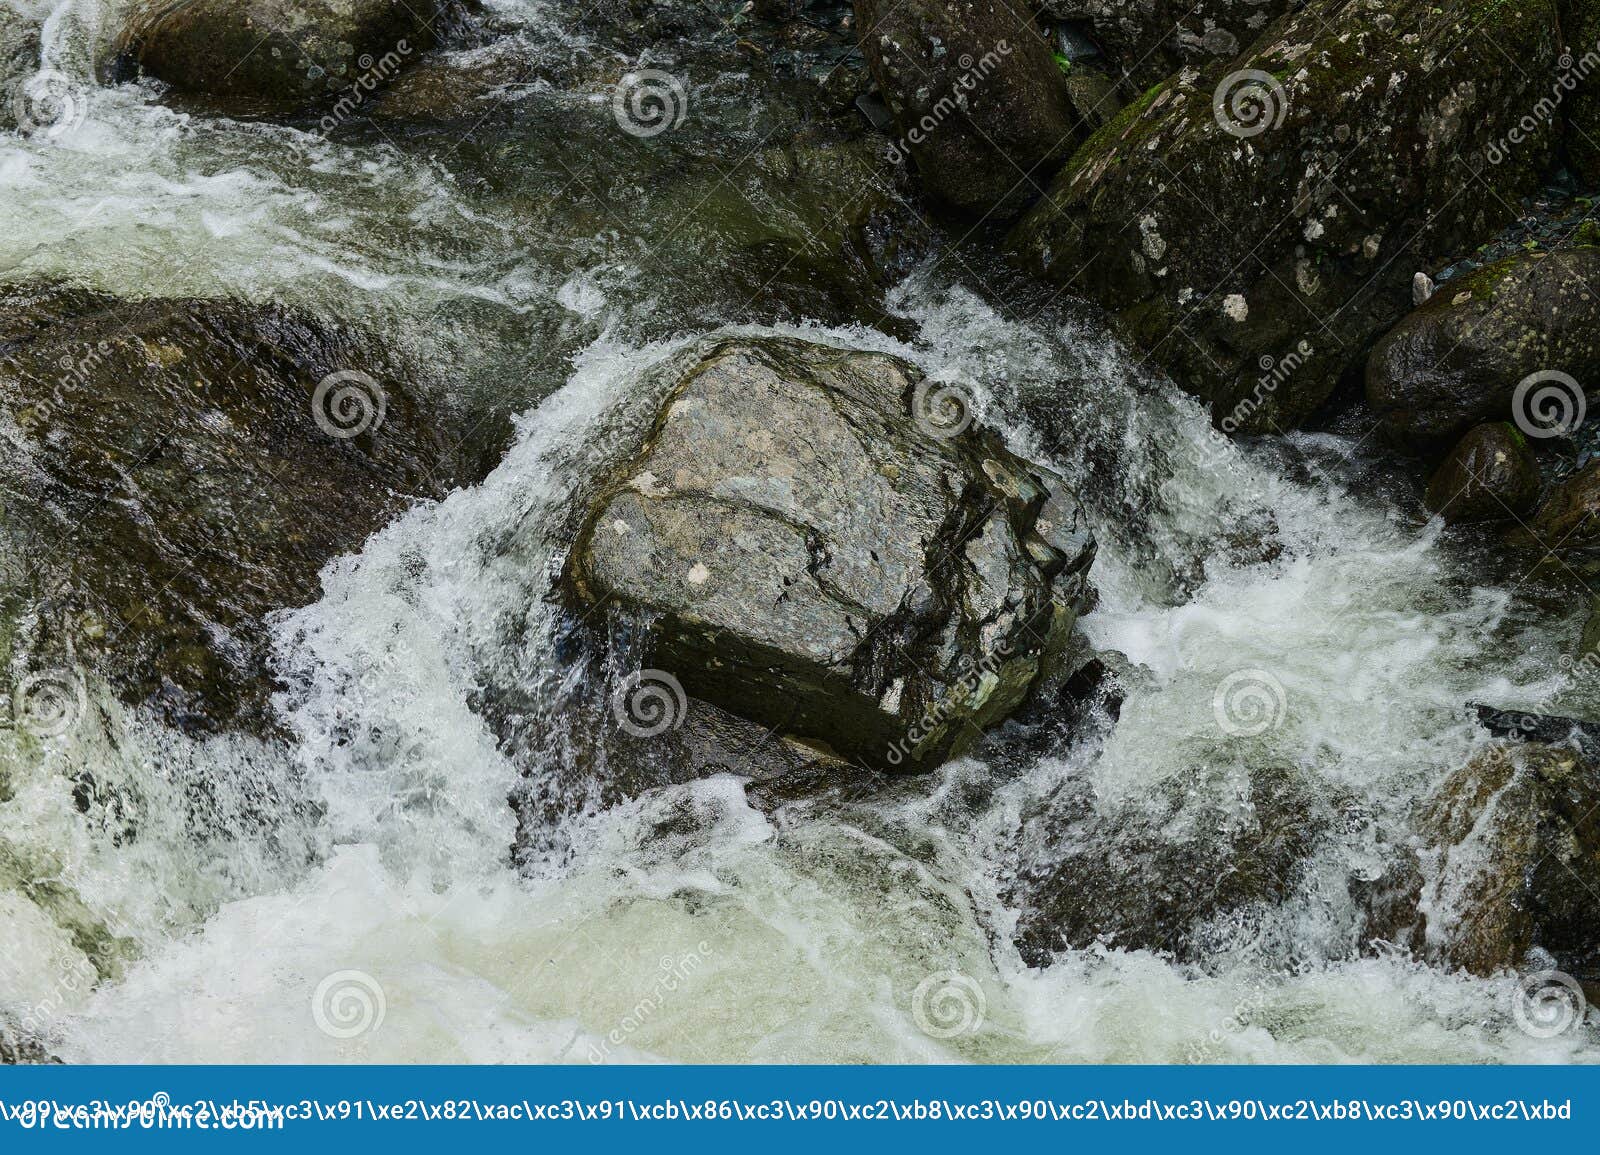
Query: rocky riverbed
point(799, 531)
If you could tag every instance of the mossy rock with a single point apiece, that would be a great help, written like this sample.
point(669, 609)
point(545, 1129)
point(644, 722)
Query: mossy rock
point(1490, 475)
point(1255, 233)
point(1460, 358)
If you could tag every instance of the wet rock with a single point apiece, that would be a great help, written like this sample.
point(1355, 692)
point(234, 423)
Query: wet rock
point(1152, 39)
point(823, 545)
point(1515, 838)
point(279, 54)
point(176, 470)
point(1490, 475)
point(19, 1050)
point(1151, 871)
point(1094, 97)
point(1565, 522)
point(978, 101)
point(1460, 358)
point(1254, 223)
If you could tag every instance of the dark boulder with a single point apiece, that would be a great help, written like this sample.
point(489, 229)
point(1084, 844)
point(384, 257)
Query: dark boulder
point(977, 99)
point(1254, 225)
point(1462, 357)
point(279, 54)
point(178, 469)
point(821, 542)
point(1490, 475)
point(1565, 523)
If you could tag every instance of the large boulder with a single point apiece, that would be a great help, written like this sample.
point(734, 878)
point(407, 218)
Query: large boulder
point(821, 542)
point(176, 470)
point(1514, 840)
point(1255, 224)
point(279, 54)
point(1151, 39)
point(1490, 475)
point(977, 99)
point(1460, 358)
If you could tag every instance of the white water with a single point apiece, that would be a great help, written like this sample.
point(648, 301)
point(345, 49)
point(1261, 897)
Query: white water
point(685, 925)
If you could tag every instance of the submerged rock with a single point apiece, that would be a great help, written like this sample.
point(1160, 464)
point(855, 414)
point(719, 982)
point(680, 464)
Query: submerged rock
point(1254, 224)
point(280, 54)
point(822, 543)
point(1515, 837)
point(977, 99)
point(1150, 872)
point(1490, 475)
point(1461, 357)
point(178, 469)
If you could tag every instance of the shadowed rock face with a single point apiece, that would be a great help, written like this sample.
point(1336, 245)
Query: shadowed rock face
point(817, 559)
point(280, 54)
point(1565, 522)
point(171, 479)
point(1458, 359)
point(1226, 219)
point(976, 97)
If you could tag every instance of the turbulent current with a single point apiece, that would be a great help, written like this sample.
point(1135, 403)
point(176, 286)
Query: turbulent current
point(353, 895)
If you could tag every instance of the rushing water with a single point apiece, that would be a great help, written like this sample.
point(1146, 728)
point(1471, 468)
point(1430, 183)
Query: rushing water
point(370, 863)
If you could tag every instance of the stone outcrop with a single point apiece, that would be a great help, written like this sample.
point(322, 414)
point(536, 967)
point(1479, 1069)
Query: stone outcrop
point(1254, 224)
point(1490, 475)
